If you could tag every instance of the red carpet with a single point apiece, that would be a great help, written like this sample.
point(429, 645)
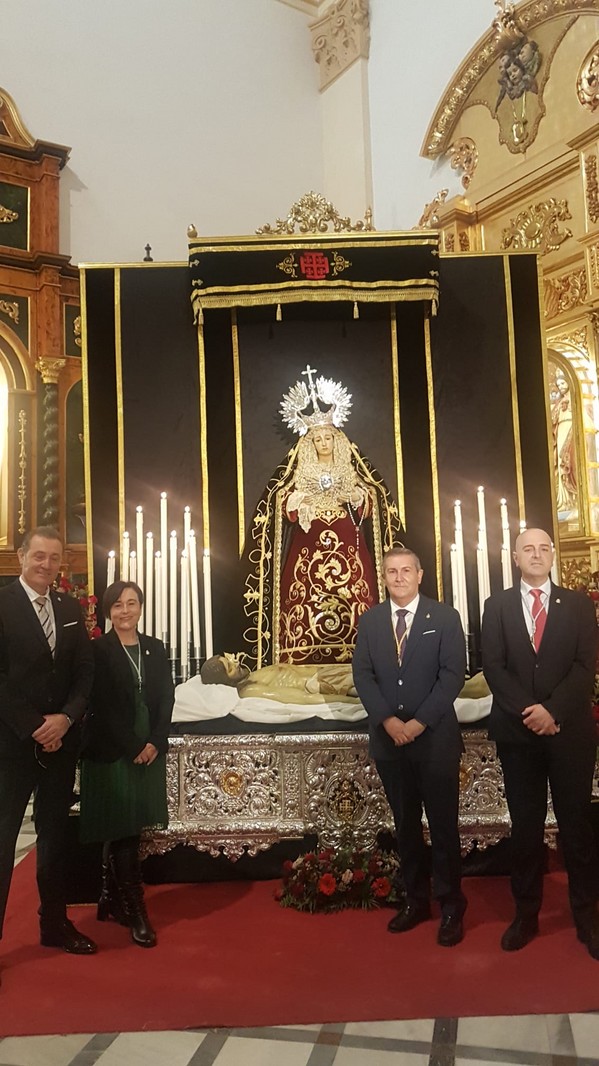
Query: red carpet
point(228, 955)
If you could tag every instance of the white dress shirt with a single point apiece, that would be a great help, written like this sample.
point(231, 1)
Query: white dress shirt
point(410, 609)
point(528, 602)
point(33, 596)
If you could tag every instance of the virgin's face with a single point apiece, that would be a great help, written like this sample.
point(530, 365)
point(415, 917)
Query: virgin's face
point(323, 442)
point(124, 614)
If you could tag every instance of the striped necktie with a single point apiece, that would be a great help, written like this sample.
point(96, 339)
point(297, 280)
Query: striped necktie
point(400, 632)
point(539, 617)
point(46, 621)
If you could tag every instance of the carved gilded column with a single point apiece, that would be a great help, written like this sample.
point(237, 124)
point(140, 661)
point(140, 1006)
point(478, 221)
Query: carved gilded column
point(49, 368)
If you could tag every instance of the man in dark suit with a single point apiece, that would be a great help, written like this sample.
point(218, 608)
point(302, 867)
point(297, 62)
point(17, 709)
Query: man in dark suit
point(539, 644)
point(46, 672)
point(409, 667)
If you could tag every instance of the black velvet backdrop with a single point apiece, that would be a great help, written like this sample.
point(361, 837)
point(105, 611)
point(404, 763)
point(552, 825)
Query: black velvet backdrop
point(472, 394)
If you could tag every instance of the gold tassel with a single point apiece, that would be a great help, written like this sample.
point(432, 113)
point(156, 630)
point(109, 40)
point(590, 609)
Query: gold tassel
point(279, 315)
point(356, 310)
point(200, 316)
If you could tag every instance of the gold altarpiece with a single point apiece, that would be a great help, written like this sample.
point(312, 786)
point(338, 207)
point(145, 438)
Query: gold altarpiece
point(519, 123)
point(41, 454)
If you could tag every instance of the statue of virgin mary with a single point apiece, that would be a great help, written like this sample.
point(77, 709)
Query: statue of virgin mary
point(318, 537)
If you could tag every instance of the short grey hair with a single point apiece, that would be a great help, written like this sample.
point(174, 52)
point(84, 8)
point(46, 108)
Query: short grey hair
point(401, 550)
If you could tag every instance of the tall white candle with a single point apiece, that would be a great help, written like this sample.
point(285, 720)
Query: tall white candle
point(554, 569)
point(480, 497)
point(125, 557)
point(459, 543)
point(149, 586)
point(139, 544)
point(173, 596)
point(206, 570)
point(482, 590)
point(506, 568)
point(162, 617)
point(110, 569)
point(505, 525)
point(132, 567)
point(184, 616)
point(158, 592)
point(455, 578)
point(195, 598)
point(186, 526)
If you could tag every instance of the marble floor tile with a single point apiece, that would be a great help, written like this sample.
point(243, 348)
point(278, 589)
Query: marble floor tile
point(585, 1030)
point(41, 1050)
point(420, 1029)
point(252, 1052)
point(152, 1049)
point(366, 1057)
point(526, 1032)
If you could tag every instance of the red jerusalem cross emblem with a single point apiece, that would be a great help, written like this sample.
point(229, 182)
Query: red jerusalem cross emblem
point(314, 265)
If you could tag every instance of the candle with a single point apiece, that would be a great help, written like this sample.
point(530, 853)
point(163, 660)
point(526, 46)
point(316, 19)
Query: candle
point(184, 616)
point(133, 567)
point(195, 599)
point(158, 592)
point(125, 557)
point(162, 617)
point(207, 603)
point(173, 596)
point(480, 497)
point(506, 568)
point(186, 526)
point(455, 580)
point(482, 586)
point(139, 544)
point(505, 525)
point(461, 565)
point(149, 586)
point(554, 570)
point(110, 568)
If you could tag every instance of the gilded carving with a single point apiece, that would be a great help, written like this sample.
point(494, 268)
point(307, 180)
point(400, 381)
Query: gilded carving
point(576, 573)
point(463, 155)
point(319, 783)
point(464, 241)
point(592, 187)
point(11, 309)
point(50, 369)
point(449, 242)
point(587, 82)
point(536, 228)
point(576, 338)
point(565, 292)
point(77, 330)
point(6, 215)
point(312, 213)
point(340, 37)
point(22, 482)
point(429, 218)
point(594, 260)
point(508, 34)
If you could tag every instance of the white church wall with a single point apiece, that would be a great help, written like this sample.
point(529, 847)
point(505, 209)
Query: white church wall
point(415, 49)
point(203, 111)
point(346, 142)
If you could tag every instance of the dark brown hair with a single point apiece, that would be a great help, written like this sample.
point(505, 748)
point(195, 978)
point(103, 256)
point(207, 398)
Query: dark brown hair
point(47, 532)
point(114, 593)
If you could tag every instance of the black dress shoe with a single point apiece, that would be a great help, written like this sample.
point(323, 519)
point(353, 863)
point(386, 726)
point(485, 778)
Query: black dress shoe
point(65, 936)
point(451, 930)
point(520, 933)
point(411, 915)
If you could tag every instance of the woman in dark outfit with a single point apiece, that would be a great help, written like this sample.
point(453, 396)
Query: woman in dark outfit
point(123, 772)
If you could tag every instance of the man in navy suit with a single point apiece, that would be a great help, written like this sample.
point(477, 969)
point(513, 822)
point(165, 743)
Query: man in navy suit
point(409, 667)
point(46, 672)
point(539, 644)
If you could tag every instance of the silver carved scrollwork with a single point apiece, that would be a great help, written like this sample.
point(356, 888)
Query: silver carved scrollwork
point(241, 794)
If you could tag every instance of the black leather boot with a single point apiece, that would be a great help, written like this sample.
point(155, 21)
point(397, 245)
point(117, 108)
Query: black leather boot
point(110, 904)
point(127, 869)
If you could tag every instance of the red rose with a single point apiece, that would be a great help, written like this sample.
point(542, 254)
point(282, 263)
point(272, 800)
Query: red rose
point(373, 866)
point(325, 856)
point(64, 583)
point(381, 887)
point(92, 600)
point(95, 633)
point(287, 866)
point(84, 601)
point(327, 884)
point(359, 876)
point(296, 891)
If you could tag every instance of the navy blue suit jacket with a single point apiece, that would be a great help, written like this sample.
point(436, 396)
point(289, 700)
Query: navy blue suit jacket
point(560, 677)
point(426, 684)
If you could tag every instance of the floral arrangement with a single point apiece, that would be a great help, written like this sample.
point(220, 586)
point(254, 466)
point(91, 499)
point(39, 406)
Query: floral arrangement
point(330, 880)
point(86, 602)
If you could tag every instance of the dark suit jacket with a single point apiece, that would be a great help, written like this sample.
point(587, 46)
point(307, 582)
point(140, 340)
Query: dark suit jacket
point(32, 682)
point(560, 677)
point(109, 727)
point(427, 682)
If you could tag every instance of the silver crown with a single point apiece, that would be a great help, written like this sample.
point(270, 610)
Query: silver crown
point(301, 396)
